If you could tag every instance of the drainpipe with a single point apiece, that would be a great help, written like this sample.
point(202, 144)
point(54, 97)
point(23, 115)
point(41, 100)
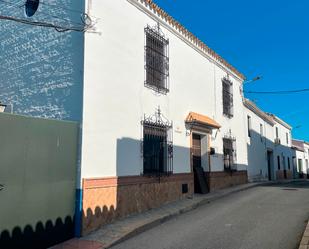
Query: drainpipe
point(78, 213)
point(79, 189)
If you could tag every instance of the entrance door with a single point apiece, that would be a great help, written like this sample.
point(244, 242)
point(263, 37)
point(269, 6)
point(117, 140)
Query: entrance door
point(196, 151)
point(200, 183)
point(269, 158)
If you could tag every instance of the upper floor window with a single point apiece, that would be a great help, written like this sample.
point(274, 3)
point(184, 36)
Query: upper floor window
point(249, 125)
point(277, 132)
point(227, 94)
point(287, 138)
point(156, 60)
point(229, 153)
point(261, 132)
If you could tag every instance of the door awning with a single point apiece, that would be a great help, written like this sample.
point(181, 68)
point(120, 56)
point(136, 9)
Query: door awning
point(196, 119)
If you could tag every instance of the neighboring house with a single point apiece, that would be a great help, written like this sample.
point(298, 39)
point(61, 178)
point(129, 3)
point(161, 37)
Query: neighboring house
point(270, 153)
point(301, 158)
point(283, 153)
point(41, 75)
point(260, 143)
point(41, 70)
point(306, 154)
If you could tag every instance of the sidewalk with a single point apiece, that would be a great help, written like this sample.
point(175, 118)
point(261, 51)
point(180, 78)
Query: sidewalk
point(126, 228)
point(304, 244)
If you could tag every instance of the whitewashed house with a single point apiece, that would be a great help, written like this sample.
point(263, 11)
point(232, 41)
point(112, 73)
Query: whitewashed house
point(301, 149)
point(306, 155)
point(260, 143)
point(158, 106)
point(41, 75)
point(270, 153)
point(161, 114)
point(283, 152)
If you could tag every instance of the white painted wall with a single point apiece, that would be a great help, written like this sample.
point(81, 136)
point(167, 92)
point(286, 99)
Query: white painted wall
point(283, 150)
point(303, 156)
point(306, 157)
point(300, 156)
point(115, 99)
point(257, 145)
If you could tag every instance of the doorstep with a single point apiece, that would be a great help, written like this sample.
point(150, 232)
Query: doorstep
point(123, 229)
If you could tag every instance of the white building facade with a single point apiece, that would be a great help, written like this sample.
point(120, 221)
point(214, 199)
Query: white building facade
point(146, 78)
point(270, 153)
point(283, 152)
point(161, 115)
point(301, 164)
point(260, 143)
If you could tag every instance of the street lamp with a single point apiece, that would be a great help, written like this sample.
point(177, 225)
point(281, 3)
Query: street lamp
point(256, 78)
point(253, 80)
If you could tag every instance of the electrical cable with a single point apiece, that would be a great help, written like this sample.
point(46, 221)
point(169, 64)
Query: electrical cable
point(279, 92)
point(43, 24)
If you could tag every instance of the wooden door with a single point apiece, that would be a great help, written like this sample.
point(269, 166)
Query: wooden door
point(196, 151)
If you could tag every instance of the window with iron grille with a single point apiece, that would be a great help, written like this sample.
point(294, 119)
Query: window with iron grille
point(157, 149)
point(156, 60)
point(227, 89)
point(229, 154)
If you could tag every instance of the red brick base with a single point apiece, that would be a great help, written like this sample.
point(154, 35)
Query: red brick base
point(280, 174)
point(106, 199)
point(225, 179)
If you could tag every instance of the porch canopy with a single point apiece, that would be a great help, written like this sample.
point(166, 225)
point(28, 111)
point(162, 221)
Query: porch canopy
point(199, 122)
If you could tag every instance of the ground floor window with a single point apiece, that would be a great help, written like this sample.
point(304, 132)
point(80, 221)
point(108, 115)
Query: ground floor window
point(229, 153)
point(278, 161)
point(283, 162)
point(300, 165)
point(157, 148)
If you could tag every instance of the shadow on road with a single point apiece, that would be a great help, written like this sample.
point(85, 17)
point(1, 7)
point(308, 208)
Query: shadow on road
point(289, 185)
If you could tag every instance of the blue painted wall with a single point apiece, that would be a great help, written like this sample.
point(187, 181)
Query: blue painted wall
point(41, 70)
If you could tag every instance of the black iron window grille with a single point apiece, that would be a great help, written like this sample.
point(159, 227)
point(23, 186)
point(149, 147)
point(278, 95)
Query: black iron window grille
point(227, 95)
point(229, 154)
point(157, 146)
point(156, 60)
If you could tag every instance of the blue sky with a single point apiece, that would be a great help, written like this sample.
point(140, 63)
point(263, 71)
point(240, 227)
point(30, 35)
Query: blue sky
point(267, 38)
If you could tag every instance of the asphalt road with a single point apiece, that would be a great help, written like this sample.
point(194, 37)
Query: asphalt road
point(265, 217)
